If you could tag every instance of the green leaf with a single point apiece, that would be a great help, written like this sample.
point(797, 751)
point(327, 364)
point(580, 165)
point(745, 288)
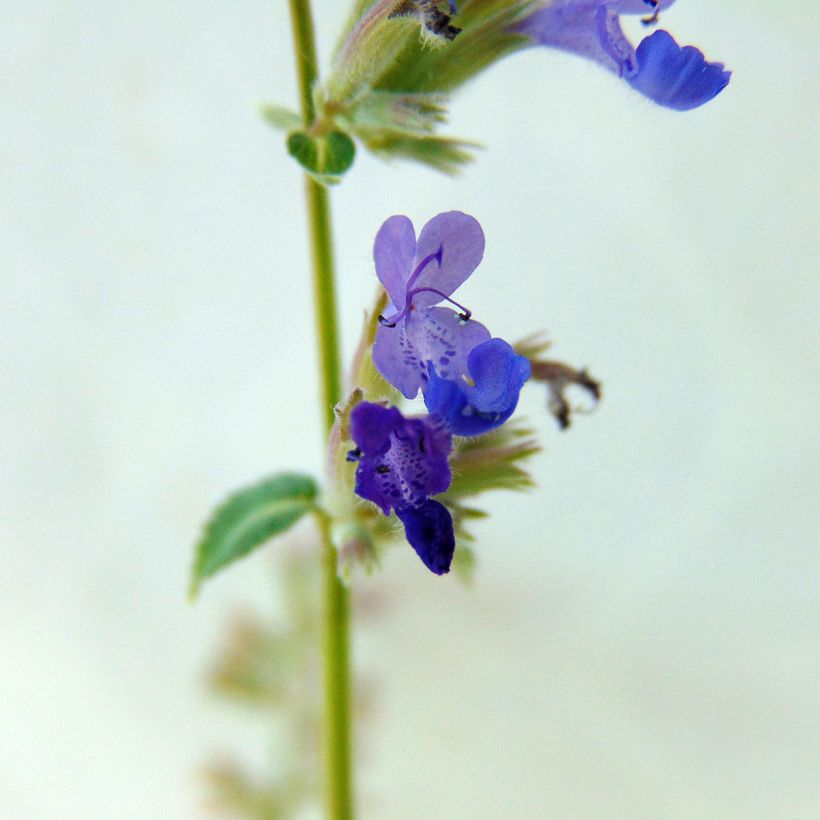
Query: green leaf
point(324, 158)
point(248, 519)
point(280, 117)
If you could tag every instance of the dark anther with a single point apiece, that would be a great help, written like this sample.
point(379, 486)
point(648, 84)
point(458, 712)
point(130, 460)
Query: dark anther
point(382, 469)
point(653, 18)
point(354, 455)
point(385, 323)
point(432, 18)
point(465, 314)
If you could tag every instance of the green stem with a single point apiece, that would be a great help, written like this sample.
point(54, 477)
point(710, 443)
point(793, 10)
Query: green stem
point(336, 620)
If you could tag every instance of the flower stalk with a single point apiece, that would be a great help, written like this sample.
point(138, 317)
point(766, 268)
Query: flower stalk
point(336, 616)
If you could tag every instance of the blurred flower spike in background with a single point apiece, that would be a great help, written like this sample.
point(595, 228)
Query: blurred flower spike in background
point(398, 61)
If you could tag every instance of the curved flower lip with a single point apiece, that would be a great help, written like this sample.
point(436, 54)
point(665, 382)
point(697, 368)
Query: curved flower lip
point(497, 373)
point(671, 76)
point(675, 77)
point(429, 531)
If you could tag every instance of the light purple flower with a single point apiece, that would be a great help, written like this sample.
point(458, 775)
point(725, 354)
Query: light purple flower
point(671, 76)
point(418, 274)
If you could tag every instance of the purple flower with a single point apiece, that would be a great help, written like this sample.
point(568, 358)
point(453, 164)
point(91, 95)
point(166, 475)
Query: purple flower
point(417, 276)
point(660, 69)
point(402, 462)
point(496, 375)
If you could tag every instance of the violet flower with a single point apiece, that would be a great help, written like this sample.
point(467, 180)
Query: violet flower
point(675, 77)
point(402, 462)
point(417, 276)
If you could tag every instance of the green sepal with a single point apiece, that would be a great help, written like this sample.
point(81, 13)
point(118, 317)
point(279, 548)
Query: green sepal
point(490, 462)
point(280, 117)
point(249, 518)
point(325, 158)
point(445, 154)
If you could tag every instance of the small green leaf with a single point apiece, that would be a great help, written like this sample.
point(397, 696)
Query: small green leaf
point(304, 149)
point(280, 117)
point(339, 153)
point(248, 519)
point(324, 158)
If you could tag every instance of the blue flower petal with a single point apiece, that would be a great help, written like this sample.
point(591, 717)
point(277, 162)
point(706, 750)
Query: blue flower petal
point(429, 530)
point(498, 373)
point(676, 77)
point(371, 426)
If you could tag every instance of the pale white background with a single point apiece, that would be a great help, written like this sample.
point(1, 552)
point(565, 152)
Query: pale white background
point(642, 639)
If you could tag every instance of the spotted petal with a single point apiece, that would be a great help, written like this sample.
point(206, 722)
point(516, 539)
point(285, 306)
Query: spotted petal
point(412, 467)
point(437, 335)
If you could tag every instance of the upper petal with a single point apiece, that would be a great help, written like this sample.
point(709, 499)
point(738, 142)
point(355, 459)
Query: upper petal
point(371, 426)
point(462, 247)
point(393, 253)
point(676, 77)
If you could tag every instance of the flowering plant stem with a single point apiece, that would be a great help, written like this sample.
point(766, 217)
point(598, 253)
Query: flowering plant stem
point(336, 619)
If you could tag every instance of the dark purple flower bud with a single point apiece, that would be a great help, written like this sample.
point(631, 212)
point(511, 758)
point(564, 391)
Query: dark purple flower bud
point(496, 375)
point(671, 76)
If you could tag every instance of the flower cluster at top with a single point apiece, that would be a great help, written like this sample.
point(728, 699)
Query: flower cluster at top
point(470, 381)
point(389, 86)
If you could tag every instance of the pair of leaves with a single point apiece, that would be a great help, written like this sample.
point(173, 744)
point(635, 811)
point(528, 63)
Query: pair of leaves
point(324, 158)
point(249, 518)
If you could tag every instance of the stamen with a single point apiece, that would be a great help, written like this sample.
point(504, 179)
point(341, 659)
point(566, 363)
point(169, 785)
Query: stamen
point(408, 293)
point(423, 264)
point(653, 18)
point(468, 380)
point(354, 455)
point(465, 314)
